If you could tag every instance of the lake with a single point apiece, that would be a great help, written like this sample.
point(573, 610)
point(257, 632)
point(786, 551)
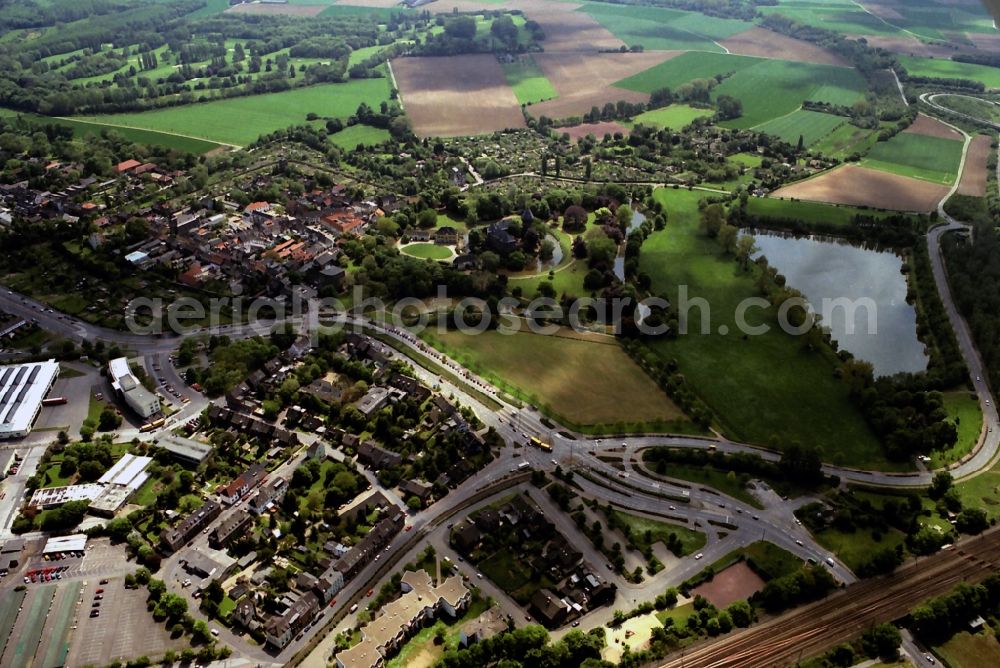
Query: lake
point(825, 269)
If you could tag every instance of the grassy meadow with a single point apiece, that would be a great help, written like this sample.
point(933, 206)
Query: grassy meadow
point(528, 81)
point(932, 159)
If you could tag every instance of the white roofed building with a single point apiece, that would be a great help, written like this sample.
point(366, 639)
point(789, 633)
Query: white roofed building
point(22, 389)
point(139, 399)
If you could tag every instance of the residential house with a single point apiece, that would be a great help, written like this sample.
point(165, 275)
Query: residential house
point(230, 529)
point(279, 631)
point(243, 484)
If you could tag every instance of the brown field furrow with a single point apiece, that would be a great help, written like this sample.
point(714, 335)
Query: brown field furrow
point(573, 32)
point(932, 127)
point(578, 132)
point(974, 176)
point(277, 10)
point(456, 95)
point(911, 46)
point(584, 81)
point(861, 186)
point(766, 44)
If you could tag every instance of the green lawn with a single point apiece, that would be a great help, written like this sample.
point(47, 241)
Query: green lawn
point(763, 389)
point(808, 212)
point(963, 409)
point(675, 117)
point(932, 159)
point(528, 81)
point(950, 69)
point(975, 107)
point(716, 479)
point(359, 135)
point(577, 382)
point(426, 251)
point(507, 572)
point(982, 491)
point(967, 650)
point(678, 615)
point(768, 89)
point(691, 540)
point(811, 126)
point(242, 120)
point(856, 548)
point(770, 561)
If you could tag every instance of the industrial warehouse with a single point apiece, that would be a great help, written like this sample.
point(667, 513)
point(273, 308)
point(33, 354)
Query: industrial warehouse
point(107, 495)
point(22, 389)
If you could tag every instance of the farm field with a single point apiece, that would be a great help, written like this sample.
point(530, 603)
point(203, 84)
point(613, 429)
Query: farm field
point(812, 126)
point(528, 81)
point(241, 120)
point(908, 154)
point(768, 89)
point(976, 171)
point(861, 186)
point(584, 81)
point(763, 389)
point(662, 29)
point(768, 44)
point(942, 68)
point(838, 15)
point(807, 212)
point(846, 140)
point(578, 132)
point(932, 127)
point(456, 95)
point(675, 117)
point(84, 129)
point(558, 375)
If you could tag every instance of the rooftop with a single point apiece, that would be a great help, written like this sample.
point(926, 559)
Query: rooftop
point(22, 389)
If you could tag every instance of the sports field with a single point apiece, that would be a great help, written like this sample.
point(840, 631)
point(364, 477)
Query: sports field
point(812, 126)
point(769, 89)
point(675, 117)
point(528, 81)
point(582, 382)
point(427, 251)
point(950, 69)
point(764, 389)
point(241, 120)
point(933, 159)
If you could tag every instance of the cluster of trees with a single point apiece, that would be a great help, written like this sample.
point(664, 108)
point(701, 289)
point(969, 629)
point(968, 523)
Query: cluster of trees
point(232, 362)
point(939, 618)
point(974, 274)
point(799, 466)
point(809, 583)
point(461, 35)
point(530, 646)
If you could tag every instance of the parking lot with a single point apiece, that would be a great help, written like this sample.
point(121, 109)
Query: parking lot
point(124, 628)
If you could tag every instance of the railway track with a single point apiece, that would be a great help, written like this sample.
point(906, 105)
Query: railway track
point(844, 615)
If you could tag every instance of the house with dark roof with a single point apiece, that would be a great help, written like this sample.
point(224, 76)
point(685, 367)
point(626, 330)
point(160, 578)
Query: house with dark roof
point(549, 609)
point(376, 458)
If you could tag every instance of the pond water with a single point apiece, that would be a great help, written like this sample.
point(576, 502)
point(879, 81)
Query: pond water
point(553, 262)
point(825, 269)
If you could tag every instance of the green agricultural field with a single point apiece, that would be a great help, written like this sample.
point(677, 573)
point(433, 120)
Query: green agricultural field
point(360, 135)
point(811, 126)
point(682, 69)
point(968, 650)
point(809, 212)
point(661, 29)
point(578, 382)
point(768, 89)
point(763, 389)
point(950, 69)
point(241, 120)
point(932, 159)
point(84, 129)
point(838, 15)
point(428, 251)
point(528, 81)
point(926, 18)
point(846, 140)
point(675, 117)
